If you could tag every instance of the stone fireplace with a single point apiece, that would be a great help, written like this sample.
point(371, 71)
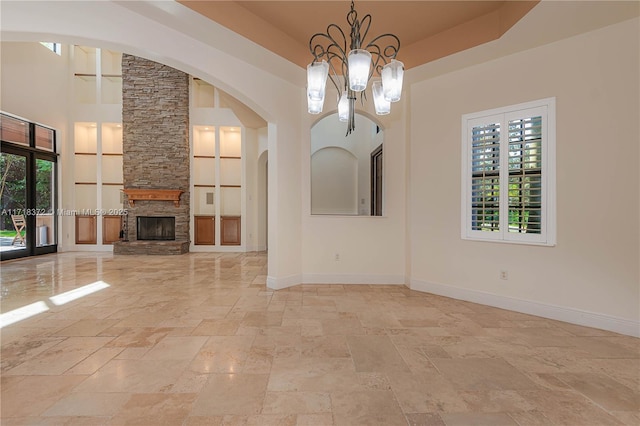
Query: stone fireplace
point(155, 138)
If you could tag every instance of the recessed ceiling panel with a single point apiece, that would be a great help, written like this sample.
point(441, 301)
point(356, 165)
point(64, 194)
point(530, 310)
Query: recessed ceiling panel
point(428, 30)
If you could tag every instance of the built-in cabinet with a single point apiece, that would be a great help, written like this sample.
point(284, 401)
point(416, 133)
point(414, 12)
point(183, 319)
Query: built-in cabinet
point(86, 229)
point(111, 228)
point(97, 137)
point(218, 170)
point(204, 230)
point(230, 229)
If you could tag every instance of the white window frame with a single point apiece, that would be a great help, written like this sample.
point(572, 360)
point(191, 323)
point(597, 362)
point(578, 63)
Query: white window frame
point(546, 108)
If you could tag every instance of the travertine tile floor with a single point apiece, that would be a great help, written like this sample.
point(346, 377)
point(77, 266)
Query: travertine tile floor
point(199, 340)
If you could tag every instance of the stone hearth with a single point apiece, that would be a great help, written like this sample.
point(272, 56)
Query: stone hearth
point(151, 247)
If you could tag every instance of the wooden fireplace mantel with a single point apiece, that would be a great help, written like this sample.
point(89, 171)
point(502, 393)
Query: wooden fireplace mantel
point(153, 195)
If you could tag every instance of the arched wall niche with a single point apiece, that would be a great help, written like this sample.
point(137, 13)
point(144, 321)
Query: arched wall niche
point(334, 181)
point(343, 166)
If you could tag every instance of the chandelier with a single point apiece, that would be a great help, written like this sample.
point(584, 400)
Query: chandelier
point(351, 69)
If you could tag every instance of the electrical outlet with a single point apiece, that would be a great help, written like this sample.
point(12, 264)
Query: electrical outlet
point(504, 275)
point(337, 257)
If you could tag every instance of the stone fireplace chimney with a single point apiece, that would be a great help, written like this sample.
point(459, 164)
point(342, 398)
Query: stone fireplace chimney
point(155, 121)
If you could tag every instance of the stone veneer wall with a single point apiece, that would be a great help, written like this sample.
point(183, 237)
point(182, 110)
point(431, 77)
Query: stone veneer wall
point(155, 138)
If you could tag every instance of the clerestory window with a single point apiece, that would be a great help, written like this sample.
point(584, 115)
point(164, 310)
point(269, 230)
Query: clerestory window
point(54, 47)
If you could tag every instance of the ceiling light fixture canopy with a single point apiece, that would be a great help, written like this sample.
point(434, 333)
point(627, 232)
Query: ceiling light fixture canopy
point(356, 65)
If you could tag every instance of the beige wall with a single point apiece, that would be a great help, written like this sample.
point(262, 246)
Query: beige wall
point(594, 267)
point(47, 76)
point(334, 181)
point(36, 86)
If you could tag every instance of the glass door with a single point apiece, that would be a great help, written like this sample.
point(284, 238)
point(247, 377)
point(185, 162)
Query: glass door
point(13, 189)
point(45, 191)
point(27, 188)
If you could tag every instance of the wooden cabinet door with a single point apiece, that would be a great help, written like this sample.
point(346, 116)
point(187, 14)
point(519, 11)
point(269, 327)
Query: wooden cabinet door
point(230, 230)
point(205, 230)
point(86, 230)
point(111, 227)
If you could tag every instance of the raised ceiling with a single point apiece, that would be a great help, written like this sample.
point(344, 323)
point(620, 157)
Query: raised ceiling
point(428, 30)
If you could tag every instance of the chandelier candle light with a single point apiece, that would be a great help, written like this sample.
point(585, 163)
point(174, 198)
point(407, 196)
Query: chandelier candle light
point(356, 66)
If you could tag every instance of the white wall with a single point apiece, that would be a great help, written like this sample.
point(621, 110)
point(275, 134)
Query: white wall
point(371, 249)
point(592, 275)
point(36, 86)
point(251, 187)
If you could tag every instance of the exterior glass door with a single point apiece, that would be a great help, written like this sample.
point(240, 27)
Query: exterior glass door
point(27, 188)
point(45, 190)
point(13, 190)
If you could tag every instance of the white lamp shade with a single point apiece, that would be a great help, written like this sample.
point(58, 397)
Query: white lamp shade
point(314, 107)
point(359, 66)
point(343, 107)
point(316, 80)
point(392, 75)
point(382, 105)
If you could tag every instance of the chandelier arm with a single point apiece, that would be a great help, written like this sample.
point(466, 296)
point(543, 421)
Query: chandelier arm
point(332, 57)
point(334, 39)
point(391, 50)
point(363, 97)
point(333, 75)
point(333, 79)
point(376, 58)
point(366, 24)
point(318, 49)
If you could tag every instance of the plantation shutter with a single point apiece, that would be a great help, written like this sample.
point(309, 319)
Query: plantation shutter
point(525, 175)
point(485, 177)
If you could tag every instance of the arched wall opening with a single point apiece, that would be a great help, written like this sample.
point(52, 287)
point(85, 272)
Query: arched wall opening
point(172, 35)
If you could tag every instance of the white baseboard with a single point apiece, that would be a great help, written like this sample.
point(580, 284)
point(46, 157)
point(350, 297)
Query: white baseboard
point(283, 282)
point(293, 280)
point(352, 279)
point(560, 313)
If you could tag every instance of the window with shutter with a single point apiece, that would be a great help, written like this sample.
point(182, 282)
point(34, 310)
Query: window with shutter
point(508, 174)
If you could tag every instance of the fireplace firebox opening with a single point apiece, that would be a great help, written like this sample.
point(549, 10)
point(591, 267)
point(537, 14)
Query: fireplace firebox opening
point(151, 228)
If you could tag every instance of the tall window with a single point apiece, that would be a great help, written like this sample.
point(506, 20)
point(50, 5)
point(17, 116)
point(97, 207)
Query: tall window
point(508, 174)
